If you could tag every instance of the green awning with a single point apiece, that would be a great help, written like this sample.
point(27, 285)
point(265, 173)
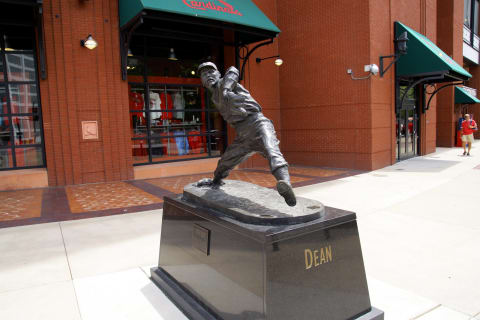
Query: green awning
point(424, 58)
point(242, 13)
point(462, 96)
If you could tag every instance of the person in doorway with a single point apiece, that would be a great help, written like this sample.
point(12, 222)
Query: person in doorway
point(468, 126)
point(255, 133)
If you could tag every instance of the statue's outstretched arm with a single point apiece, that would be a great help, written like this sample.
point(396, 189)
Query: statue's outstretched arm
point(230, 81)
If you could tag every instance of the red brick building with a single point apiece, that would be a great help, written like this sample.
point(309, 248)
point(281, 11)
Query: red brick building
point(133, 107)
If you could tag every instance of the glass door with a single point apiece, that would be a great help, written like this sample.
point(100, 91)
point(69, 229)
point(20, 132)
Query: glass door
point(407, 125)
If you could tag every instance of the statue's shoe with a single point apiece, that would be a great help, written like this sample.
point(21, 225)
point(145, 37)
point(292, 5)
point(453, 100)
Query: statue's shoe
point(285, 189)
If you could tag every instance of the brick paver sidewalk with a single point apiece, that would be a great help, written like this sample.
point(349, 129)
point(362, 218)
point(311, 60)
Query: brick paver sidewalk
point(100, 199)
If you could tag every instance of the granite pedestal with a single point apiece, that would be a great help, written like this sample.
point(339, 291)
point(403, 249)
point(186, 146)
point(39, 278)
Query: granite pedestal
point(213, 265)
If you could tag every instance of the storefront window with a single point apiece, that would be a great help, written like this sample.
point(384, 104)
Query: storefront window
point(21, 136)
point(170, 114)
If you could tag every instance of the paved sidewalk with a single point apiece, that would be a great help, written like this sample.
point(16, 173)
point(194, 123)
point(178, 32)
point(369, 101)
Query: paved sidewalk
point(33, 206)
point(419, 229)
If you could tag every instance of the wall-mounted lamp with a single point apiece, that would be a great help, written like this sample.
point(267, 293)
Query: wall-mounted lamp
point(278, 61)
point(400, 50)
point(129, 53)
point(171, 55)
point(371, 68)
point(89, 43)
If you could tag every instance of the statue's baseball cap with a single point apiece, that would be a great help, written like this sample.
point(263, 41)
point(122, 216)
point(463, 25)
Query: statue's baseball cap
point(206, 65)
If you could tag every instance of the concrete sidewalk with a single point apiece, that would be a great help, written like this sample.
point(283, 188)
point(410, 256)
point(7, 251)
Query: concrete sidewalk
point(419, 228)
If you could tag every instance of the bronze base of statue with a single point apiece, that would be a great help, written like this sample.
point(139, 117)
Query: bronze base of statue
point(230, 254)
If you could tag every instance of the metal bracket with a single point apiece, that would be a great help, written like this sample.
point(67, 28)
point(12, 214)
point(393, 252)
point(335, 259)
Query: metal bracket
point(125, 36)
point(426, 79)
point(382, 72)
point(249, 53)
point(258, 60)
point(427, 106)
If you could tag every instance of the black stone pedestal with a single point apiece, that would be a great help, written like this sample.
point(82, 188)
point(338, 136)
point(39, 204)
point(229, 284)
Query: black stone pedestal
point(213, 266)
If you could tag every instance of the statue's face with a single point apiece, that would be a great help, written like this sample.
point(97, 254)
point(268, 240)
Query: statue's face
point(209, 77)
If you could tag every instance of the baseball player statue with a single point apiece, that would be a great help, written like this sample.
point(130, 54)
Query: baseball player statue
point(255, 133)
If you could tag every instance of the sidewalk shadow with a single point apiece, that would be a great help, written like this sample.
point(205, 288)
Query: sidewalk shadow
point(421, 165)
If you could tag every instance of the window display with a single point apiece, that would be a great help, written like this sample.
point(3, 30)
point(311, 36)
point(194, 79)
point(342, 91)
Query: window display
point(170, 116)
point(21, 135)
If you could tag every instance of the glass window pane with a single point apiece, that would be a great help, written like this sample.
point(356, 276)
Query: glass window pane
point(27, 130)
point(6, 160)
point(467, 7)
point(28, 157)
point(5, 132)
point(2, 76)
point(172, 129)
point(138, 130)
point(140, 151)
point(159, 104)
point(20, 67)
point(216, 122)
point(3, 99)
point(135, 67)
point(23, 98)
point(217, 144)
point(475, 20)
point(137, 45)
point(138, 122)
point(179, 147)
point(18, 42)
point(160, 148)
point(197, 144)
point(136, 97)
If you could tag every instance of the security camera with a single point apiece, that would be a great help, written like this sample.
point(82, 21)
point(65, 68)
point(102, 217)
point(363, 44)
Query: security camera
point(372, 68)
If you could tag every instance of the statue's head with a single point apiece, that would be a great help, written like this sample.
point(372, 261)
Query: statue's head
point(209, 74)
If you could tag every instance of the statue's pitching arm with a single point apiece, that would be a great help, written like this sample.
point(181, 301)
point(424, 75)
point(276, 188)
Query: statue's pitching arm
point(234, 101)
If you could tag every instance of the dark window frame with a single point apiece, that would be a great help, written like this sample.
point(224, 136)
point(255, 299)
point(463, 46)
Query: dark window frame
point(6, 83)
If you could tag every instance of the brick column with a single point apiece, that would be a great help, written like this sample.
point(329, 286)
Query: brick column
point(84, 85)
point(450, 40)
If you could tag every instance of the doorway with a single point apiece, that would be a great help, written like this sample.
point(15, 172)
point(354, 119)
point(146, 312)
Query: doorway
point(407, 124)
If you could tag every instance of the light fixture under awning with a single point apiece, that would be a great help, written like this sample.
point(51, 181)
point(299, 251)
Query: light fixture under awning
point(424, 58)
point(241, 15)
point(462, 96)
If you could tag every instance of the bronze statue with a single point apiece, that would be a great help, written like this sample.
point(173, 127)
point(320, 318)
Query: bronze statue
point(255, 133)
